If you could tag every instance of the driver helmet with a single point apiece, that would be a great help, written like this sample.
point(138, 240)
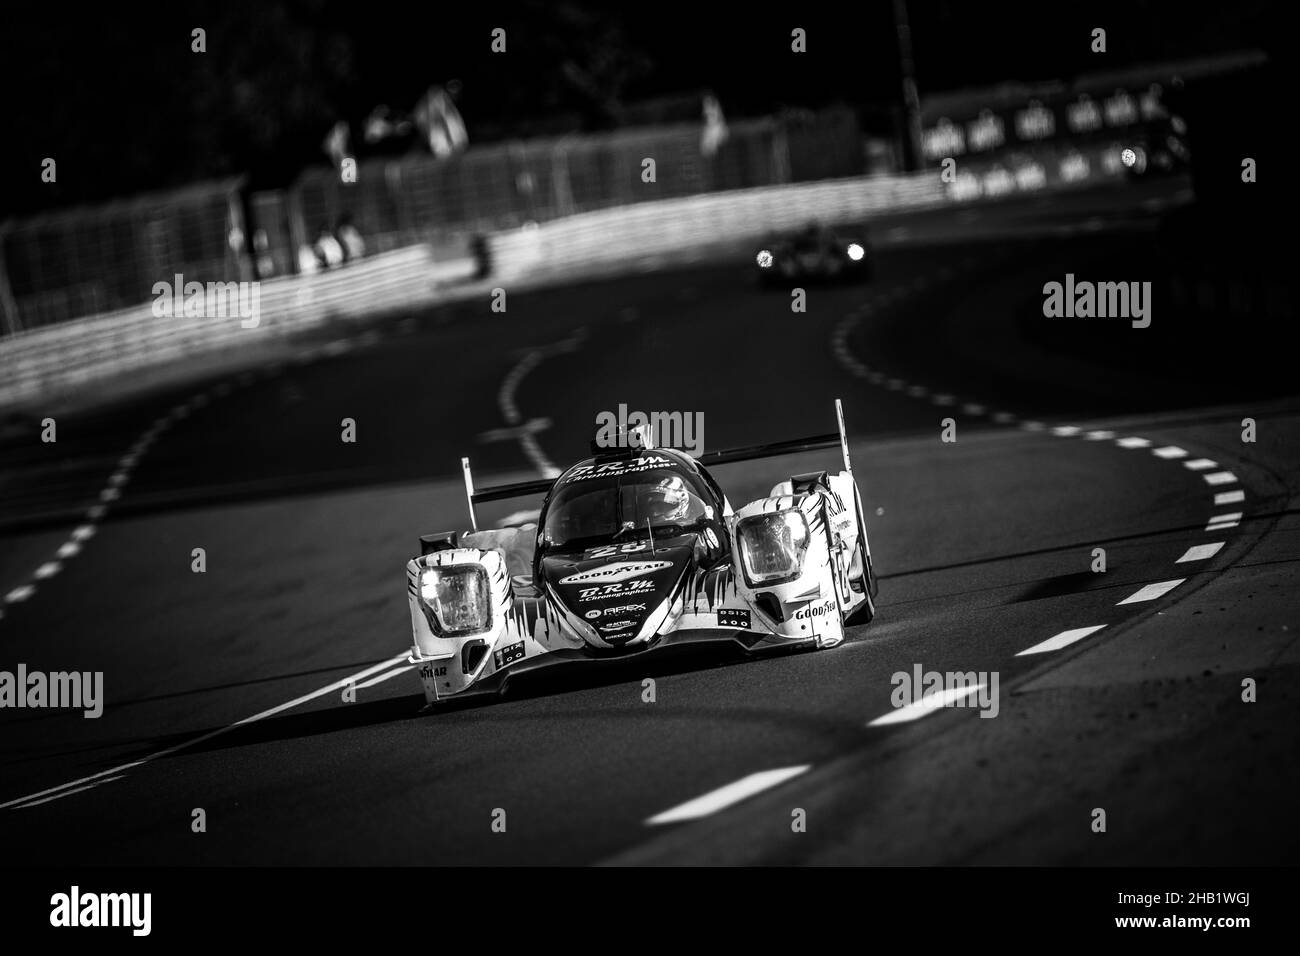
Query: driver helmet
point(667, 501)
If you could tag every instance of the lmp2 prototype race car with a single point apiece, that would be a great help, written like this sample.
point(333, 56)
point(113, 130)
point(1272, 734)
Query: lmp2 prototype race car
point(638, 548)
point(813, 253)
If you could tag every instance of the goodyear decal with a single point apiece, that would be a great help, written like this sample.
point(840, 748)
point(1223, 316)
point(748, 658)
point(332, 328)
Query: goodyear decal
point(813, 611)
point(622, 571)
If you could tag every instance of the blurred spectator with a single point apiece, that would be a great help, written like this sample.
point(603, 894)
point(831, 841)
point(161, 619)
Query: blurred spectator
point(381, 124)
point(263, 261)
point(335, 144)
point(354, 247)
point(440, 123)
point(715, 126)
point(308, 262)
point(328, 250)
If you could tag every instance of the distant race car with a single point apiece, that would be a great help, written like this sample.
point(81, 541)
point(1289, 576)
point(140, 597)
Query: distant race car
point(813, 253)
point(636, 549)
point(1160, 149)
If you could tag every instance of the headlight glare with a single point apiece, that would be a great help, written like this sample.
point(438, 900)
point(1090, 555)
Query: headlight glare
point(856, 252)
point(772, 546)
point(459, 597)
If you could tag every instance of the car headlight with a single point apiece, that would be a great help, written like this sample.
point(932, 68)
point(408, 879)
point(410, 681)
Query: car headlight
point(855, 251)
point(764, 259)
point(459, 597)
point(772, 546)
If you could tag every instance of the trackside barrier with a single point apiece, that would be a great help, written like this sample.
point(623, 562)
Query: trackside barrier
point(58, 359)
point(668, 229)
point(54, 360)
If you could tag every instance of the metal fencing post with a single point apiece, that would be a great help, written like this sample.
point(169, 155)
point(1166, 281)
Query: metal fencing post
point(560, 178)
point(8, 307)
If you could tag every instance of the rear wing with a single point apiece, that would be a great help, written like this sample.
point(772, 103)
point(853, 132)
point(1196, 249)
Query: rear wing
point(541, 486)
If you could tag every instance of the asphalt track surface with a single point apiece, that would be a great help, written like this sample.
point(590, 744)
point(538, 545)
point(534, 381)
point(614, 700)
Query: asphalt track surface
point(225, 690)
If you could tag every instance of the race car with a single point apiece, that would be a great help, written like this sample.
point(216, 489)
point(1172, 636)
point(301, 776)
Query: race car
point(812, 253)
point(635, 549)
point(1160, 149)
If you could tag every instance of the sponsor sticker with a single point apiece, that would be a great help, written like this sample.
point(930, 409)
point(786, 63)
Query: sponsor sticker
point(583, 472)
point(509, 654)
point(622, 571)
point(604, 592)
point(615, 611)
point(624, 609)
point(733, 617)
point(821, 609)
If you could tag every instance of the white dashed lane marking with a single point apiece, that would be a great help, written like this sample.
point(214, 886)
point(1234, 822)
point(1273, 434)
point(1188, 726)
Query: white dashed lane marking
point(1230, 520)
point(1201, 552)
point(1219, 478)
point(531, 358)
point(1152, 591)
point(728, 796)
point(1064, 639)
point(926, 705)
point(112, 491)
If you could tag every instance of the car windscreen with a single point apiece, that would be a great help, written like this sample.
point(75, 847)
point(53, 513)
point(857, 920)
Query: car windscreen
point(623, 508)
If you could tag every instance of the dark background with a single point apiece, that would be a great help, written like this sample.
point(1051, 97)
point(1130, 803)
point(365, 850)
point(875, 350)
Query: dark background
point(114, 93)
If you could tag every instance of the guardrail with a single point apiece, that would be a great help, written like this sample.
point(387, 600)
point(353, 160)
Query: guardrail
point(666, 230)
point(56, 360)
